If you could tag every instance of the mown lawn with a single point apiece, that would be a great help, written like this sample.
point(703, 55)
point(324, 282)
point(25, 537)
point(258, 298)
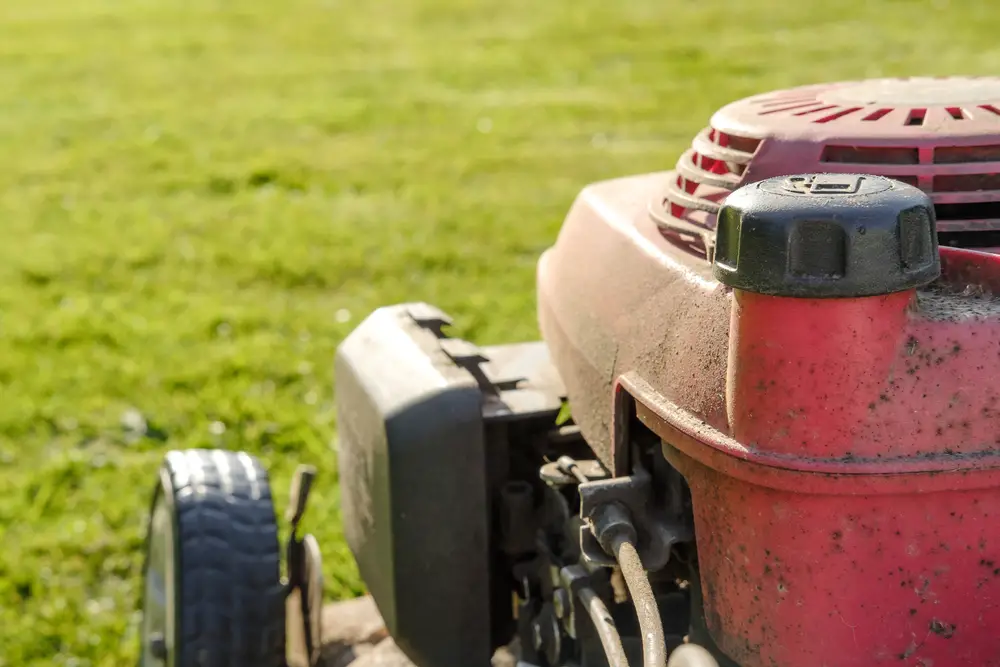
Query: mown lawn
point(200, 198)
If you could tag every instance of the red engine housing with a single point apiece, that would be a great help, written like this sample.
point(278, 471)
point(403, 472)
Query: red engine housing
point(939, 134)
point(843, 455)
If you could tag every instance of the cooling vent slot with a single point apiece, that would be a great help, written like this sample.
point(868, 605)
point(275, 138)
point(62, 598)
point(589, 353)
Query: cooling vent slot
point(966, 182)
point(707, 172)
point(916, 116)
point(870, 155)
point(989, 238)
point(924, 175)
point(715, 162)
point(736, 142)
point(960, 154)
point(939, 134)
point(817, 111)
point(986, 210)
point(837, 114)
point(877, 114)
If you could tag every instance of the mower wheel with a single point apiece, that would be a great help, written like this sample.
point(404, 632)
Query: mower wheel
point(691, 655)
point(213, 593)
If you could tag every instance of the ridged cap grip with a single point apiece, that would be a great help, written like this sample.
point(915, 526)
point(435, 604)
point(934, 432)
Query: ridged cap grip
point(827, 236)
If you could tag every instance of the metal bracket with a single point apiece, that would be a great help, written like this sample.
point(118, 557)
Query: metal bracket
point(656, 531)
point(304, 594)
point(571, 578)
point(554, 473)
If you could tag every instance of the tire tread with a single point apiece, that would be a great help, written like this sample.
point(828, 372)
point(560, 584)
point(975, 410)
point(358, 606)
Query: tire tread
point(230, 597)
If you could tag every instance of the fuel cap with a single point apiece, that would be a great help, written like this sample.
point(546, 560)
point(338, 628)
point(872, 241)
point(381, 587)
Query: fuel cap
point(826, 236)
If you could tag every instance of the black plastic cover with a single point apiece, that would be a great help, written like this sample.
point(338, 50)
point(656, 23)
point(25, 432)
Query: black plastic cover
point(419, 419)
point(412, 469)
point(827, 235)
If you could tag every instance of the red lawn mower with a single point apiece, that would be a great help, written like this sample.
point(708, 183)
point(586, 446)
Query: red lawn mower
point(763, 428)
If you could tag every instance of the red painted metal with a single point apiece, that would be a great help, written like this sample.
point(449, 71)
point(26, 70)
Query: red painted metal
point(807, 377)
point(843, 455)
point(846, 520)
point(793, 577)
point(940, 134)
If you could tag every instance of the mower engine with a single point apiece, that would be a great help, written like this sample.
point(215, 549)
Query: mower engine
point(762, 428)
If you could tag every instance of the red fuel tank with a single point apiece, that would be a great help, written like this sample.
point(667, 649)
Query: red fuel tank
point(849, 517)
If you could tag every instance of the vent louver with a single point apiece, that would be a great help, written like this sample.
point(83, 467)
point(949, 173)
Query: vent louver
point(939, 134)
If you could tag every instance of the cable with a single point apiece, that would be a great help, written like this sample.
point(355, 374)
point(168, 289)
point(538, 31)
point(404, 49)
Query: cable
point(654, 645)
point(605, 626)
point(567, 465)
point(614, 530)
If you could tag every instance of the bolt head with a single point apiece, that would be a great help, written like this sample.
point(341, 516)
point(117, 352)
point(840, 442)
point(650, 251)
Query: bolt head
point(158, 646)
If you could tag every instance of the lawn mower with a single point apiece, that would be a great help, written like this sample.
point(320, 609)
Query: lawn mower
point(762, 428)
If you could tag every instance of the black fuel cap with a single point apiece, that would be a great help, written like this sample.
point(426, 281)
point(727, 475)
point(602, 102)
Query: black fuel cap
point(827, 235)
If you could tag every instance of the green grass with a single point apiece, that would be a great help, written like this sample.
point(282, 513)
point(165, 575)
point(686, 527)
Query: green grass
point(199, 199)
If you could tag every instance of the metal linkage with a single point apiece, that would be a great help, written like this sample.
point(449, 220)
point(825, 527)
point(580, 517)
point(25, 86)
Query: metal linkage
point(604, 625)
point(656, 529)
point(305, 565)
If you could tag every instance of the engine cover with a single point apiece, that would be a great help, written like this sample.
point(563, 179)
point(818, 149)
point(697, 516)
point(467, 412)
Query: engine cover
point(939, 134)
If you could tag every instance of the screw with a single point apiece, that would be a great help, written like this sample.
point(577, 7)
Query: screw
point(158, 646)
point(560, 603)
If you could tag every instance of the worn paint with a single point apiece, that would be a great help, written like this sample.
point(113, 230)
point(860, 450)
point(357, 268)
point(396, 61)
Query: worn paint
point(614, 296)
point(843, 456)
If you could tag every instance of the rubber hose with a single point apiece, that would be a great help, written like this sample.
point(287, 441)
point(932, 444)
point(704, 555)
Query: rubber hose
point(654, 645)
point(605, 626)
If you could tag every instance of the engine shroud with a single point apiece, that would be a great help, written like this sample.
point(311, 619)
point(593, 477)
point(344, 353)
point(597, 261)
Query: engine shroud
point(856, 525)
point(939, 134)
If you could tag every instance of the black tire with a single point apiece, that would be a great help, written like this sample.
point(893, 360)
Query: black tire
point(221, 566)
